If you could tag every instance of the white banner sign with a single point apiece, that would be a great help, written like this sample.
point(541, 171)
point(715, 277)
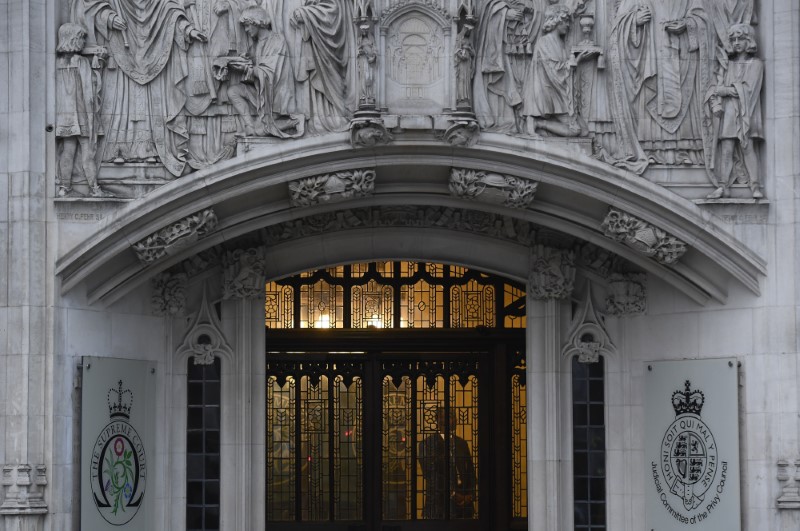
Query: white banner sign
point(691, 424)
point(117, 432)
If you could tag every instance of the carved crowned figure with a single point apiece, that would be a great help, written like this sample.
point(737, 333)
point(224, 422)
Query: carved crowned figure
point(661, 56)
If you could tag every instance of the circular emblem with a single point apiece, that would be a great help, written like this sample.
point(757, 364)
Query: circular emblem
point(118, 465)
point(689, 459)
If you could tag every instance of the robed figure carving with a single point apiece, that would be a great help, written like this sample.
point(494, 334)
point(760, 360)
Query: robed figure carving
point(144, 92)
point(734, 104)
point(267, 81)
point(326, 56)
point(435, 461)
point(661, 57)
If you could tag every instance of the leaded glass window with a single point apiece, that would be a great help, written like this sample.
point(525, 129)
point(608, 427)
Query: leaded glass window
point(589, 444)
point(203, 446)
point(398, 294)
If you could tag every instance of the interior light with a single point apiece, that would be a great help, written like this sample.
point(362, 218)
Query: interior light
point(324, 321)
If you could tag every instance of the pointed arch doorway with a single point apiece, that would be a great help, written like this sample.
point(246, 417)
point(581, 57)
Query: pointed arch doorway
point(395, 399)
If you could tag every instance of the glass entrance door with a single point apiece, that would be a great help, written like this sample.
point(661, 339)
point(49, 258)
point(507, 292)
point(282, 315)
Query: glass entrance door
point(374, 441)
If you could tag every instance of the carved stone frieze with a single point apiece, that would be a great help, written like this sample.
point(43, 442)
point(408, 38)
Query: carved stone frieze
point(332, 187)
point(587, 338)
point(251, 71)
point(552, 273)
point(789, 477)
point(23, 490)
point(244, 274)
point(173, 238)
point(643, 236)
point(169, 294)
point(514, 192)
point(627, 294)
point(205, 341)
point(484, 223)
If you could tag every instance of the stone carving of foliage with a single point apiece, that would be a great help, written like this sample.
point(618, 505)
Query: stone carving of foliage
point(628, 295)
point(552, 273)
point(332, 187)
point(173, 238)
point(169, 294)
point(643, 236)
point(244, 276)
point(511, 191)
point(205, 340)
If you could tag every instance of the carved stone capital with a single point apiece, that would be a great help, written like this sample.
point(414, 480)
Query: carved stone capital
point(643, 236)
point(169, 294)
point(789, 476)
point(628, 294)
point(23, 487)
point(244, 274)
point(552, 273)
point(332, 187)
point(174, 237)
point(514, 192)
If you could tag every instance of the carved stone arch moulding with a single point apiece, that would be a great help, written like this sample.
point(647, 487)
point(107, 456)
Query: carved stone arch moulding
point(205, 341)
point(587, 337)
point(190, 218)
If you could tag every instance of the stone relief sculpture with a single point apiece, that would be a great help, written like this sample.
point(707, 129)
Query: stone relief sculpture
point(491, 187)
point(78, 125)
point(662, 58)
point(552, 273)
point(185, 81)
point(326, 57)
point(642, 236)
point(169, 293)
point(735, 108)
point(243, 275)
point(548, 103)
point(627, 294)
point(465, 66)
point(266, 83)
point(176, 236)
point(332, 187)
point(367, 56)
point(144, 83)
point(205, 340)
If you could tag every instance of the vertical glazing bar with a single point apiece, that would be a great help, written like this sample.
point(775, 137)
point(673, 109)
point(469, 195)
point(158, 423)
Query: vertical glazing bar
point(448, 442)
point(298, 447)
point(332, 453)
point(413, 436)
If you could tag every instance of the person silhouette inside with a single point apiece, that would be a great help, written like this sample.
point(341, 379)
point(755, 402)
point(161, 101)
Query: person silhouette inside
point(434, 458)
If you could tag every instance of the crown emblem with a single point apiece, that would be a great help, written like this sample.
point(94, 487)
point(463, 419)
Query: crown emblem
point(120, 402)
point(688, 401)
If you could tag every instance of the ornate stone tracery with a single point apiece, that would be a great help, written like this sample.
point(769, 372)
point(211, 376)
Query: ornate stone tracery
point(205, 341)
point(588, 337)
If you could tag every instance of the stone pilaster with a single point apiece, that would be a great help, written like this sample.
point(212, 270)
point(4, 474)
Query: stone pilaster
point(24, 264)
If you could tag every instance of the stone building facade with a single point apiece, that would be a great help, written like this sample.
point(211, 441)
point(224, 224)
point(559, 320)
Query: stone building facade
point(630, 167)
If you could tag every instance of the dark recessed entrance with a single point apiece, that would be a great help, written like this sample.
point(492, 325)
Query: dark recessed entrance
point(395, 428)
